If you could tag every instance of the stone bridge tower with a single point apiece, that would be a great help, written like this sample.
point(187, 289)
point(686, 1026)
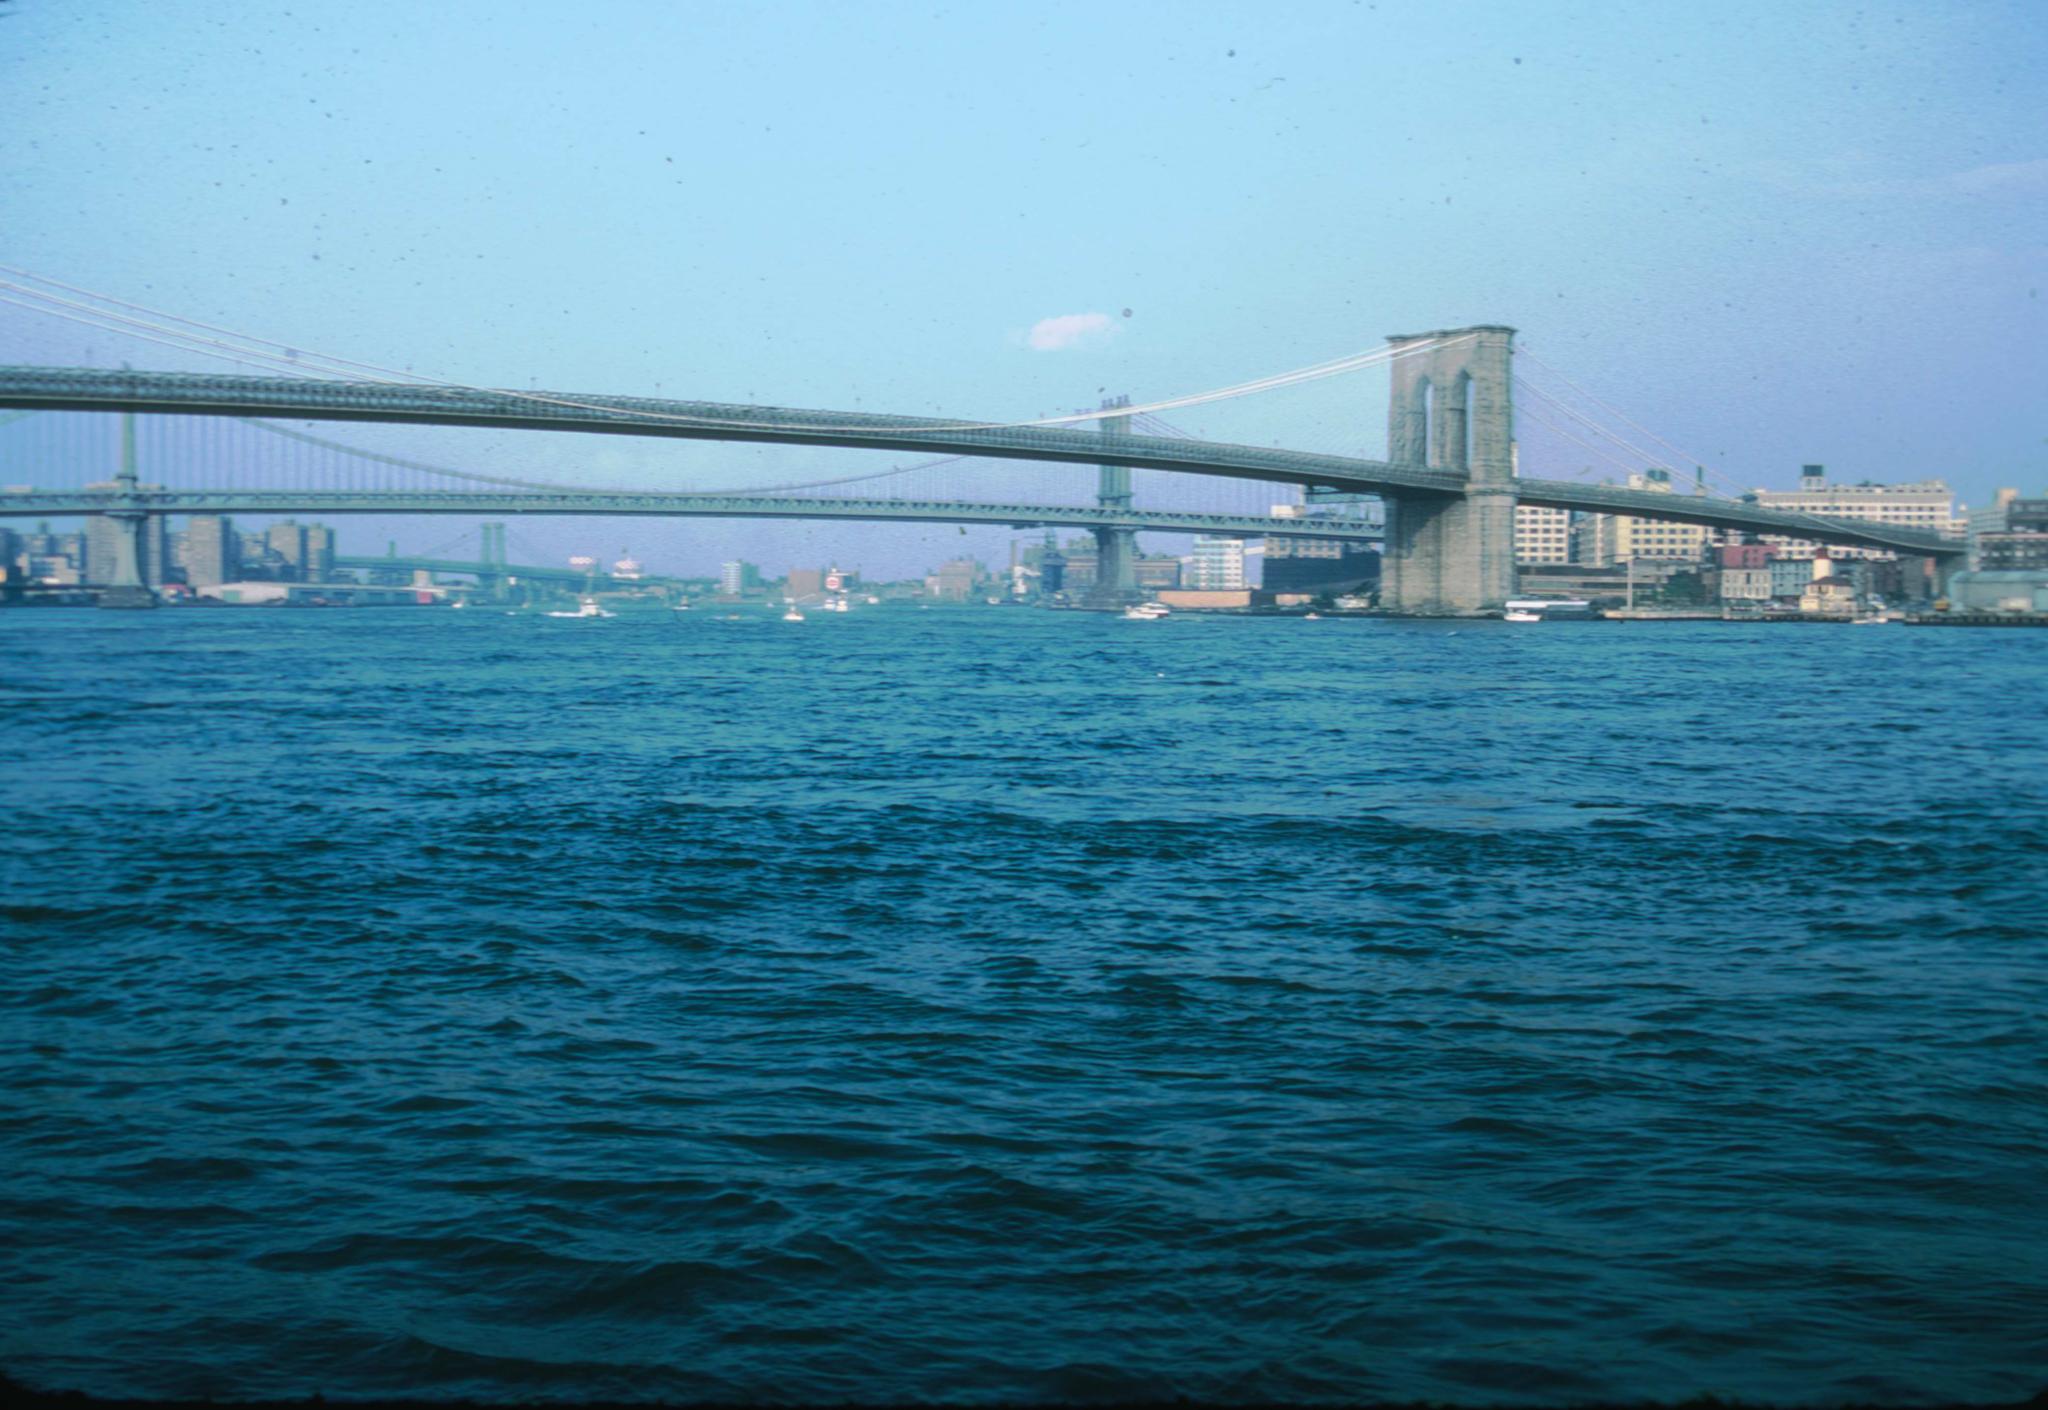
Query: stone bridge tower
point(1452, 410)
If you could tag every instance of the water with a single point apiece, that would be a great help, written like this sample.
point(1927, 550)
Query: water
point(996, 1005)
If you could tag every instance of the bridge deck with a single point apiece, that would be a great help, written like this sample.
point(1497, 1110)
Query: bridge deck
point(51, 503)
point(197, 394)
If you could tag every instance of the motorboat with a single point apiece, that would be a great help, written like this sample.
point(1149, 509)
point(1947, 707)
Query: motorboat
point(1544, 609)
point(1146, 612)
point(585, 607)
point(794, 614)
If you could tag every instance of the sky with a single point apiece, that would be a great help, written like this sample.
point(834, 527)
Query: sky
point(1770, 233)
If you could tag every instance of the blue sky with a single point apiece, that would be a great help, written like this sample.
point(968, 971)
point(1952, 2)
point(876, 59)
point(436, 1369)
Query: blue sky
point(1772, 233)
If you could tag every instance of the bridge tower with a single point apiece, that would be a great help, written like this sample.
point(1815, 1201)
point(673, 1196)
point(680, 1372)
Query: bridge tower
point(1116, 550)
point(1452, 410)
point(127, 588)
point(492, 577)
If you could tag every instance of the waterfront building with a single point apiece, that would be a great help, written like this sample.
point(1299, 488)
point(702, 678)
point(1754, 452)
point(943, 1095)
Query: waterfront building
point(260, 562)
point(2000, 590)
point(804, 582)
point(1789, 576)
point(1826, 592)
point(1658, 538)
point(212, 551)
point(53, 568)
point(1604, 586)
point(288, 541)
point(2014, 552)
point(955, 580)
point(1925, 505)
point(1991, 519)
point(1154, 572)
point(1052, 569)
point(2011, 535)
point(1083, 563)
point(318, 564)
point(1299, 565)
point(1216, 565)
point(738, 577)
point(1542, 535)
point(1746, 586)
point(1353, 566)
point(1601, 540)
point(1592, 540)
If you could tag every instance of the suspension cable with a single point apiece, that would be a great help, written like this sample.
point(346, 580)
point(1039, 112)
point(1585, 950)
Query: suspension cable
point(243, 348)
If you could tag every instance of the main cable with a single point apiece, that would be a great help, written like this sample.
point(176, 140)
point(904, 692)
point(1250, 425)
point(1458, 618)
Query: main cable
point(246, 349)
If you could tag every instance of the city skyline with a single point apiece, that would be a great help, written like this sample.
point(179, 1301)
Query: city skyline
point(1735, 244)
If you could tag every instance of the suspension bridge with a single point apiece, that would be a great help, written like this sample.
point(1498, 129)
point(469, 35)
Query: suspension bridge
point(1448, 483)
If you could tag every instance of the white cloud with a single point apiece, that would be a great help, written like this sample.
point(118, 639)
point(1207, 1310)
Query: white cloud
point(1069, 330)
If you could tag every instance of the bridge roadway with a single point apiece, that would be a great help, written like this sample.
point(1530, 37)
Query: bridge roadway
point(205, 394)
point(526, 572)
point(51, 503)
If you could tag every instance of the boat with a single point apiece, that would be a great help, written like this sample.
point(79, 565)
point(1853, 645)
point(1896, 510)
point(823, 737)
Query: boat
point(585, 607)
point(1312, 617)
point(679, 607)
point(1146, 612)
point(794, 614)
point(1545, 609)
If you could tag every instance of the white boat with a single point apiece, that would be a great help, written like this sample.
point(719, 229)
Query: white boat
point(1146, 612)
point(1312, 617)
point(1544, 609)
point(585, 607)
point(792, 615)
point(679, 607)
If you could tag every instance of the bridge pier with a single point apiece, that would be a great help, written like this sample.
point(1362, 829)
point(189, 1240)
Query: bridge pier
point(127, 590)
point(1116, 550)
point(1452, 409)
point(492, 577)
point(1116, 572)
point(1448, 557)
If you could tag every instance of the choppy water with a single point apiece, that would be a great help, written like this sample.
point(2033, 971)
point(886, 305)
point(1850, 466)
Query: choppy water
point(996, 1005)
